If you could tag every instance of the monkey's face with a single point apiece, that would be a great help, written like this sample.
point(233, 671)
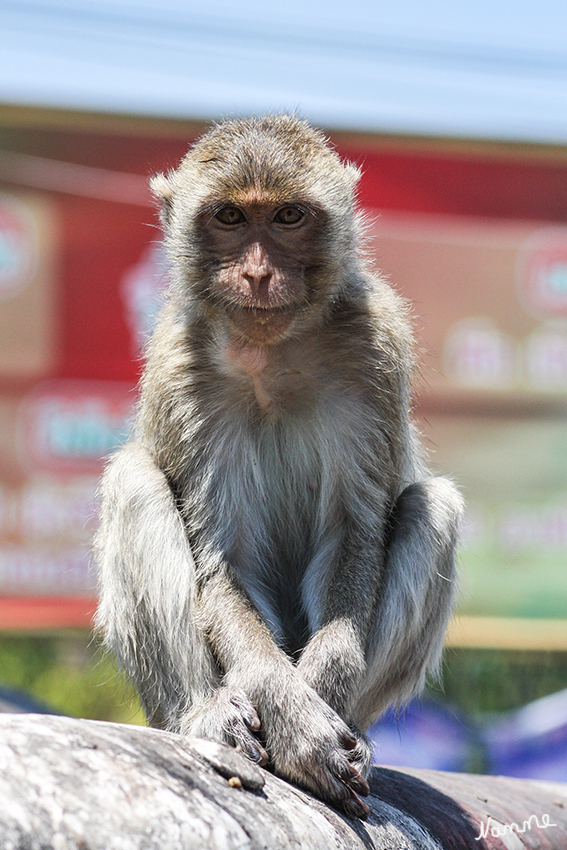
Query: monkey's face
point(262, 260)
point(259, 225)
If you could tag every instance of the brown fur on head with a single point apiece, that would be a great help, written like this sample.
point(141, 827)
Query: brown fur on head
point(260, 272)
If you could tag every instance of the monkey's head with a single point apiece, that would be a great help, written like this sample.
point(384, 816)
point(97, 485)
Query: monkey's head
point(259, 224)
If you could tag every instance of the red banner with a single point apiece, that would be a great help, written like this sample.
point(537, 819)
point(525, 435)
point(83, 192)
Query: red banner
point(476, 242)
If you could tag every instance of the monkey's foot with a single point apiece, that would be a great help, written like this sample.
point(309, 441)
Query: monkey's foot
point(228, 716)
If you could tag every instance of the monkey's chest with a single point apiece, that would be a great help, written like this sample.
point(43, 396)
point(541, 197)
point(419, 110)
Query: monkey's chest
point(275, 508)
point(274, 537)
point(272, 499)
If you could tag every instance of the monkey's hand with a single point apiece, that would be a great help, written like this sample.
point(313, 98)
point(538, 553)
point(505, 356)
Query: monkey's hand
point(311, 746)
point(228, 716)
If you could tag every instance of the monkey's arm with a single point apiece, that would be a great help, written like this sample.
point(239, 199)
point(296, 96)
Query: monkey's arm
point(305, 738)
point(334, 660)
point(382, 627)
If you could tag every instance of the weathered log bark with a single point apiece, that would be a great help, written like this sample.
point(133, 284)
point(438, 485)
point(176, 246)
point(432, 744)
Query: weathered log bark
point(83, 785)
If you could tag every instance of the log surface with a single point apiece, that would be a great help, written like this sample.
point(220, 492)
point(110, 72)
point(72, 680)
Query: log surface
point(73, 784)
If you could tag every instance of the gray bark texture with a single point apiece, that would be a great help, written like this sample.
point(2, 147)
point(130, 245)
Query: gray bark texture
point(73, 784)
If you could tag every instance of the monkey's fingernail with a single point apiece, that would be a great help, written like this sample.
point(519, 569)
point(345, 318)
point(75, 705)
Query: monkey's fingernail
point(359, 784)
point(259, 755)
point(348, 741)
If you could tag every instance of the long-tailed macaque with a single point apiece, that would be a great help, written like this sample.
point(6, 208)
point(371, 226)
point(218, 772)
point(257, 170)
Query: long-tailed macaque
point(276, 561)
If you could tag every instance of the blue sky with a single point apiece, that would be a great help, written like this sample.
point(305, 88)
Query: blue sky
point(481, 69)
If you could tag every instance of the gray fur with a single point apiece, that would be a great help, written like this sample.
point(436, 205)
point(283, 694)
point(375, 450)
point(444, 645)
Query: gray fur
point(272, 550)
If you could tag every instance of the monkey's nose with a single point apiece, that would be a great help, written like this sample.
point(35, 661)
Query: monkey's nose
point(259, 284)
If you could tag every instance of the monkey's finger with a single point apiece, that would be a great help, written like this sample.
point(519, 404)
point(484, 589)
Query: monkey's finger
point(358, 783)
point(355, 808)
point(246, 709)
point(344, 797)
point(252, 721)
point(351, 778)
point(251, 748)
point(327, 785)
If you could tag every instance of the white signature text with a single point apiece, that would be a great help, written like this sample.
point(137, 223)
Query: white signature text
point(497, 829)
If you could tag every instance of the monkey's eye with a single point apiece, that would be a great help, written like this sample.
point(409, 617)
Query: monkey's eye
point(289, 215)
point(230, 215)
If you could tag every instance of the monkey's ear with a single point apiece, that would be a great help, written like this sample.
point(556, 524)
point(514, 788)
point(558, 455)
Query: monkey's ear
point(162, 190)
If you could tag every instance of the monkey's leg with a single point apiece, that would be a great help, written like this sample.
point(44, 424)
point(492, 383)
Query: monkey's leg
point(147, 609)
point(415, 600)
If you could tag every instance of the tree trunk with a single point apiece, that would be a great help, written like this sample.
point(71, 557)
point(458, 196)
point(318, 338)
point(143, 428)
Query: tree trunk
point(71, 784)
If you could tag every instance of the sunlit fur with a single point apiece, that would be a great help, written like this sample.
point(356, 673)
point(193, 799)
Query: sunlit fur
point(270, 537)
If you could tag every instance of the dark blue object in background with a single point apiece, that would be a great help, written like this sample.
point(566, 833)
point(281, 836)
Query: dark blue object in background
point(532, 741)
point(14, 701)
point(423, 735)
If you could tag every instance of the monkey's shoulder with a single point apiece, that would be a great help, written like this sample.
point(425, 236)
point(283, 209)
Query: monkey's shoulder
point(390, 314)
point(371, 330)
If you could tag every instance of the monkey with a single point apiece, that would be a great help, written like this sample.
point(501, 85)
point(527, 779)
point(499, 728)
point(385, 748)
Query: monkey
point(276, 560)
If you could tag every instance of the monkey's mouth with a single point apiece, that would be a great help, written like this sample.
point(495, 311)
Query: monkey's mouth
point(264, 312)
point(262, 323)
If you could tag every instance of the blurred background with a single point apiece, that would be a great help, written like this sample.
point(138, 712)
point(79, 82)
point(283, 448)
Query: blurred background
point(457, 114)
